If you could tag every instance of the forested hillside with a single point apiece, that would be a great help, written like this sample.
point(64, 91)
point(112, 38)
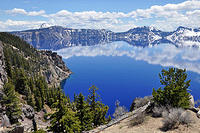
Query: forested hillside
point(31, 93)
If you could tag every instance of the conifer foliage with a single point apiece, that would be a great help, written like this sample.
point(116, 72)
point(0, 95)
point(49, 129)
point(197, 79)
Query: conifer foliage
point(11, 102)
point(97, 108)
point(175, 88)
point(83, 112)
point(80, 115)
point(64, 119)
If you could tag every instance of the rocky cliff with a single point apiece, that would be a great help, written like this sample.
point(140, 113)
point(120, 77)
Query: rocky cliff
point(44, 62)
point(3, 76)
point(57, 70)
point(57, 37)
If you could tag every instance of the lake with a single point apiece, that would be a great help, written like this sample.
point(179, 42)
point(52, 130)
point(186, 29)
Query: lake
point(123, 72)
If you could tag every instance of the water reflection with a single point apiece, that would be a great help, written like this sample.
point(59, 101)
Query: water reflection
point(163, 54)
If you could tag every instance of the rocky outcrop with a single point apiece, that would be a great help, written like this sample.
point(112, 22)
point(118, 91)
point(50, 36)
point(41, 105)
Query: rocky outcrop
point(4, 121)
point(191, 101)
point(57, 70)
point(28, 111)
point(3, 75)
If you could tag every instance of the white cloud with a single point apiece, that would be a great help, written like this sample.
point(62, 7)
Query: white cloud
point(24, 12)
point(11, 25)
point(166, 17)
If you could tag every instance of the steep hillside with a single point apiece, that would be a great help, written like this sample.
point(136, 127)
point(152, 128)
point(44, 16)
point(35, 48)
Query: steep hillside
point(3, 76)
point(23, 55)
point(29, 84)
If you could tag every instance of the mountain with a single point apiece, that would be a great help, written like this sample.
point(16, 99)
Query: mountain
point(57, 37)
point(142, 36)
point(184, 36)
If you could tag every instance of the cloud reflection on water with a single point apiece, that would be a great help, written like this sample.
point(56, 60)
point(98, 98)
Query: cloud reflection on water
point(162, 54)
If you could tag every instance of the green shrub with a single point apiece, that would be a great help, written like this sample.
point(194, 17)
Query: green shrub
point(175, 88)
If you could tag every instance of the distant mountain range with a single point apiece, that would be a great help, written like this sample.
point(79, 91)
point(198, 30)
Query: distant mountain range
point(57, 37)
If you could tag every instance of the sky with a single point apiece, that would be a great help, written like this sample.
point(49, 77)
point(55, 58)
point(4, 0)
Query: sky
point(115, 15)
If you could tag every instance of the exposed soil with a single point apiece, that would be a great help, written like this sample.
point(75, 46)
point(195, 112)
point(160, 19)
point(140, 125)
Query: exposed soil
point(152, 125)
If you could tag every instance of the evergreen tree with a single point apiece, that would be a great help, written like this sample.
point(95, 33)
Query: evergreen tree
point(98, 109)
point(38, 100)
point(11, 102)
point(31, 84)
point(64, 119)
point(9, 67)
point(83, 112)
point(30, 98)
point(21, 82)
point(41, 85)
point(175, 90)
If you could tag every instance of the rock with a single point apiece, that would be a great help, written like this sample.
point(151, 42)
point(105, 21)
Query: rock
point(17, 129)
point(5, 122)
point(191, 101)
point(3, 75)
point(194, 109)
point(198, 114)
point(28, 111)
point(57, 70)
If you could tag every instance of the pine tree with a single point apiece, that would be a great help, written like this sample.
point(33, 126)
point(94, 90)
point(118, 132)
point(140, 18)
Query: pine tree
point(175, 90)
point(21, 83)
point(11, 102)
point(64, 119)
point(97, 108)
point(30, 98)
point(38, 100)
point(41, 85)
point(83, 112)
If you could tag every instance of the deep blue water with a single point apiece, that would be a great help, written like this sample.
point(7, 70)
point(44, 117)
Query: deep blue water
point(123, 72)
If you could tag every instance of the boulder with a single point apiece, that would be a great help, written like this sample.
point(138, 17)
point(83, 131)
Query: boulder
point(4, 121)
point(198, 114)
point(191, 101)
point(28, 111)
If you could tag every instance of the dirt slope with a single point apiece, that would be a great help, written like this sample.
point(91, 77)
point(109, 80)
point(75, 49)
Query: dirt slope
point(152, 125)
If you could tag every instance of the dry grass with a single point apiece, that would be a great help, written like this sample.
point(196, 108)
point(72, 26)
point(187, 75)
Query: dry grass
point(175, 117)
point(158, 110)
point(139, 119)
point(140, 102)
point(119, 111)
point(154, 125)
